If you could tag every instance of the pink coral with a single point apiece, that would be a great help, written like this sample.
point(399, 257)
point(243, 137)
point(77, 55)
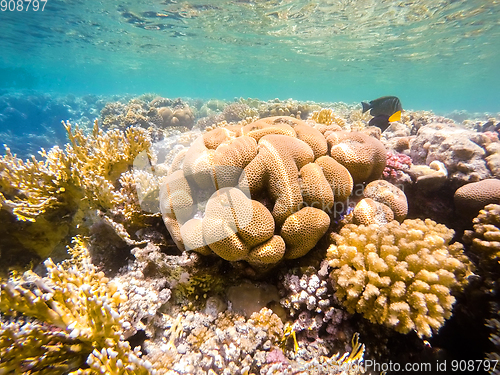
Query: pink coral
point(396, 165)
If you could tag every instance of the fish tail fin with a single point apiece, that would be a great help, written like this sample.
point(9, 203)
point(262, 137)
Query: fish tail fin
point(366, 106)
point(395, 117)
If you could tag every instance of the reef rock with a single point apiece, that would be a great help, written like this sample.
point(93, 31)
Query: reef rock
point(460, 150)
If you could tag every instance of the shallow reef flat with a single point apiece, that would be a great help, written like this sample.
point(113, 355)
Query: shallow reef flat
point(185, 236)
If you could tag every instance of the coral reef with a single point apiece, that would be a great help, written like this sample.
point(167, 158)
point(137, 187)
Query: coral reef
point(156, 113)
point(278, 107)
point(66, 319)
point(242, 193)
point(327, 116)
point(400, 275)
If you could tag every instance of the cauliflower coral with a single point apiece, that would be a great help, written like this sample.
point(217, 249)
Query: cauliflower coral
point(400, 275)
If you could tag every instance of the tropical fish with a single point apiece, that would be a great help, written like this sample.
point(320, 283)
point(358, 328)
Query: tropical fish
point(381, 121)
point(387, 106)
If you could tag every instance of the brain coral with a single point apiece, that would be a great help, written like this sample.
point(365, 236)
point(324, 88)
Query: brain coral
point(400, 275)
point(369, 211)
point(384, 192)
point(470, 198)
point(257, 192)
point(362, 155)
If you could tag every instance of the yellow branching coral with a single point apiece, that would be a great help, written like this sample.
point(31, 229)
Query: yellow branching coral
point(98, 160)
point(52, 196)
point(61, 320)
point(400, 275)
point(326, 116)
point(33, 186)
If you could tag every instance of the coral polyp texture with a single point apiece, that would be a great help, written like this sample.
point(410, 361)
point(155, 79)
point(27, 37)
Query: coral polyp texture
point(397, 167)
point(382, 203)
point(400, 275)
point(363, 156)
point(65, 320)
point(384, 192)
point(485, 238)
point(258, 192)
point(470, 198)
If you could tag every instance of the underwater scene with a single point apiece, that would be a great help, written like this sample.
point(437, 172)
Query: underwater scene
point(243, 187)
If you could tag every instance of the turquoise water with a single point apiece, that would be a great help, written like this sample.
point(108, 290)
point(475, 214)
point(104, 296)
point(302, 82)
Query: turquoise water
point(436, 55)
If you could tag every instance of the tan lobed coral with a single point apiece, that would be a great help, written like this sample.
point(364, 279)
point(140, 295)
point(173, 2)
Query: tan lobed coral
point(239, 185)
point(180, 116)
point(369, 211)
point(384, 192)
point(362, 155)
point(400, 275)
point(470, 198)
point(382, 203)
point(65, 320)
point(485, 238)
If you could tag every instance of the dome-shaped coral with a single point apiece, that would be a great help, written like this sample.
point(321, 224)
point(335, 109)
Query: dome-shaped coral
point(400, 275)
point(384, 192)
point(362, 155)
point(369, 211)
point(470, 198)
point(182, 116)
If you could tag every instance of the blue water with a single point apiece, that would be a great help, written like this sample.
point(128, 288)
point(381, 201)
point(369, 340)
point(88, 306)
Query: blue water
point(434, 55)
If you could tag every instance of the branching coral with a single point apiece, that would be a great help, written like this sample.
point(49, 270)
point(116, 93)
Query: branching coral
point(326, 116)
point(68, 317)
point(54, 194)
point(308, 299)
point(33, 186)
point(98, 160)
point(400, 275)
